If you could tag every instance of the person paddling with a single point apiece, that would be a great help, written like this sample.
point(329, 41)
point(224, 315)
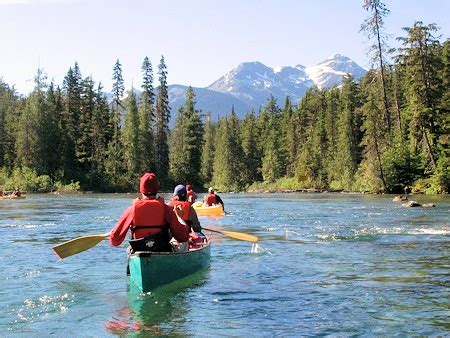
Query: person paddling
point(191, 195)
point(213, 199)
point(179, 200)
point(149, 220)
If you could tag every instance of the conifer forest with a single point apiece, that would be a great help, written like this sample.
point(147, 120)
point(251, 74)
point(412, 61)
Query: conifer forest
point(386, 133)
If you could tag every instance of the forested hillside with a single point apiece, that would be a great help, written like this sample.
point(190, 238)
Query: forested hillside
point(388, 132)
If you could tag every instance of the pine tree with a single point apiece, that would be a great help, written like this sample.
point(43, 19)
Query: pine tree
point(252, 153)
point(208, 150)
point(84, 145)
point(9, 107)
point(346, 159)
point(373, 26)
point(162, 125)
point(421, 60)
point(186, 143)
point(114, 165)
point(72, 89)
point(147, 118)
point(102, 132)
point(52, 133)
point(228, 156)
point(371, 170)
point(131, 139)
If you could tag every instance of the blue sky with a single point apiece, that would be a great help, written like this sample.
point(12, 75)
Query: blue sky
point(201, 40)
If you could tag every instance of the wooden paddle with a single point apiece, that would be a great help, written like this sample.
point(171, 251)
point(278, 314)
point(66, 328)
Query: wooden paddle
point(78, 245)
point(236, 235)
point(232, 234)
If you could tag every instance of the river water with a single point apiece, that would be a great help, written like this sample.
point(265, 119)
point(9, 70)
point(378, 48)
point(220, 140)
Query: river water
point(326, 264)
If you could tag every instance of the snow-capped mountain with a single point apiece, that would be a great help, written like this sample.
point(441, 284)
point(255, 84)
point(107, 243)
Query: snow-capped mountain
point(248, 86)
point(329, 73)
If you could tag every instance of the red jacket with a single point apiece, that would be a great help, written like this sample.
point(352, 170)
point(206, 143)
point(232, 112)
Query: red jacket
point(185, 205)
point(189, 194)
point(150, 214)
point(210, 199)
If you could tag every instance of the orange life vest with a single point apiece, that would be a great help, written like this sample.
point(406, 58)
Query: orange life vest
point(185, 205)
point(191, 193)
point(211, 199)
point(148, 217)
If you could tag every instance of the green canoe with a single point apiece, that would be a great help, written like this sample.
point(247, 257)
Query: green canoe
point(151, 270)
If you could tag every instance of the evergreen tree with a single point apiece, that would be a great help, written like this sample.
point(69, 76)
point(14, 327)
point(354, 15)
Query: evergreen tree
point(346, 159)
point(114, 165)
point(421, 60)
point(131, 139)
point(52, 133)
point(72, 88)
point(373, 26)
point(162, 125)
point(251, 151)
point(102, 132)
point(147, 118)
point(9, 107)
point(208, 149)
point(186, 143)
point(84, 145)
point(228, 164)
point(371, 171)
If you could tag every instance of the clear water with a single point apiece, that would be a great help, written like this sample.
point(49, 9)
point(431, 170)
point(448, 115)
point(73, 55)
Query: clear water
point(326, 264)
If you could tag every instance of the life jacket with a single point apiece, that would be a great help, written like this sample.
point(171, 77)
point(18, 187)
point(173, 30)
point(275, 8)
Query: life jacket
point(186, 207)
point(181, 231)
point(191, 193)
point(148, 219)
point(210, 199)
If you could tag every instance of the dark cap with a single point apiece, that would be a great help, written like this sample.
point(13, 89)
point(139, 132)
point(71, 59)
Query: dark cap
point(180, 191)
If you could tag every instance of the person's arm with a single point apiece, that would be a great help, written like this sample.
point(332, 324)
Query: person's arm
point(178, 230)
point(119, 232)
point(219, 200)
point(194, 220)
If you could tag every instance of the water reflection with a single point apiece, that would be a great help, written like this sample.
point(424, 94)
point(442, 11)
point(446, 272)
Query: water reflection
point(155, 313)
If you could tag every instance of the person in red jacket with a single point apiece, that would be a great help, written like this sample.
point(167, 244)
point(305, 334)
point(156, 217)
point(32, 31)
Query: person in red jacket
point(213, 199)
point(191, 196)
point(149, 219)
point(189, 215)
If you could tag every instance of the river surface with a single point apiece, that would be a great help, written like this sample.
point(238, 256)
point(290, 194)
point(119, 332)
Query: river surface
point(326, 264)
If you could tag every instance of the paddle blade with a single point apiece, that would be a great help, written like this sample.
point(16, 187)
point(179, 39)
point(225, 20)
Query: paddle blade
point(236, 235)
point(78, 245)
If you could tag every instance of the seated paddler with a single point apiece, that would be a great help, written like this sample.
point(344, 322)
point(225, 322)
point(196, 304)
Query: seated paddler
point(187, 213)
point(151, 222)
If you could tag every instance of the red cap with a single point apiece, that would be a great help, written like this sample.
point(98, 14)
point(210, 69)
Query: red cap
point(149, 184)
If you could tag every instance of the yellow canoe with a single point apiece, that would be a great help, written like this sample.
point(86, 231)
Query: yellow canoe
point(214, 210)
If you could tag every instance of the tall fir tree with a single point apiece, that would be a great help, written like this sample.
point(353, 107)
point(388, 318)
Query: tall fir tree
point(9, 115)
point(162, 126)
point(131, 139)
point(371, 169)
point(420, 57)
point(208, 149)
point(147, 118)
point(251, 151)
point(72, 88)
point(114, 165)
point(186, 143)
point(373, 26)
point(345, 154)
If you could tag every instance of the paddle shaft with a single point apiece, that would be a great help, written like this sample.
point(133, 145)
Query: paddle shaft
point(234, 234)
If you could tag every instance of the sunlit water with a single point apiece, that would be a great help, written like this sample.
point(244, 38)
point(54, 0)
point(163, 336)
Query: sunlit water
point(326, 264)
